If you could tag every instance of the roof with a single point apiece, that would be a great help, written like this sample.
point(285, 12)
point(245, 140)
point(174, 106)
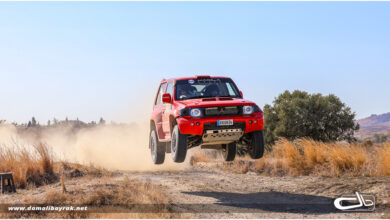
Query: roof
point(195, 77)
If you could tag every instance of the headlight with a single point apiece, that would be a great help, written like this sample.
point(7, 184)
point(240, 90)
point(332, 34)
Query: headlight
point(247, 109)
point(195, 112)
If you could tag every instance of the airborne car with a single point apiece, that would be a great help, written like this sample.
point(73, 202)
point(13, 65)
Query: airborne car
point(204, 111)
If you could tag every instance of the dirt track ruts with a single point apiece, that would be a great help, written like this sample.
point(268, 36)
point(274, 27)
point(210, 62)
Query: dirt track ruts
point(206, 193)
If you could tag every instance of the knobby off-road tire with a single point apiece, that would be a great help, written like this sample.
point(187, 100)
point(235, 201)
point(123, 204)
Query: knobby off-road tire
point(157, 149)
point(229, 151)
point(178, 145)
point(256, 148)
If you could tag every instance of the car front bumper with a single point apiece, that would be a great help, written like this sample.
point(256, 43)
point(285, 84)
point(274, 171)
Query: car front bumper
point(198, 126)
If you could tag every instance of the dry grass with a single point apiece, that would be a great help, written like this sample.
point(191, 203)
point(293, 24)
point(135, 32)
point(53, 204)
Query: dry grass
point(308, 157)
point(29, 168)
point(105, 198)
point(61, 183)
point(384, 159)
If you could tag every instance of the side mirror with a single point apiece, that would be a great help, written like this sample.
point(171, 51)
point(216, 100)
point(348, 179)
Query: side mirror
point(166, 98)
point(242, 96)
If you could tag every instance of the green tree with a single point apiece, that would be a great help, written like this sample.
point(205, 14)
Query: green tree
point(300, 114)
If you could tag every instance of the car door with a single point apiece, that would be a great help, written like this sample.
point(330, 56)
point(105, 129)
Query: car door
point(167, 111)
point(158, 111)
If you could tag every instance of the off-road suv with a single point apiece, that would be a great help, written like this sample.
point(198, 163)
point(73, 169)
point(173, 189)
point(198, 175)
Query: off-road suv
point(204, 111)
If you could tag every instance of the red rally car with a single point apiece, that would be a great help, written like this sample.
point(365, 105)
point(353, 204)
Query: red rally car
point(204, 111)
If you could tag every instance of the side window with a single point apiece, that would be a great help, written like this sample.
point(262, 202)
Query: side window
point(160, 93)
point(170, 88)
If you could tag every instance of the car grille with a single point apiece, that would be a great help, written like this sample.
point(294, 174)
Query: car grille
point(221, 111)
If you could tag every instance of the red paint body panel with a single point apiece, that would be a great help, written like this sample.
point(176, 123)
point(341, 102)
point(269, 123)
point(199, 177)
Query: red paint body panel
point(198, 103)
point(164, 112)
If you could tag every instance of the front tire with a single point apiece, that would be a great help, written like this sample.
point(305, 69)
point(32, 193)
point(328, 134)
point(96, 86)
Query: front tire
point(157, 149)
point(178, 145)
point(229, 151)
point(256, 147)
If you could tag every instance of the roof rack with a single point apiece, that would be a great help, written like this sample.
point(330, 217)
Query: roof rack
point(202, 77)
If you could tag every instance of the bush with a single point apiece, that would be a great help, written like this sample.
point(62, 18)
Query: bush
point(299, 114)
point(33, 168)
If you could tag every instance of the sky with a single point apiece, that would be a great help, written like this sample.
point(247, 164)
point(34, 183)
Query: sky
point(106, 59)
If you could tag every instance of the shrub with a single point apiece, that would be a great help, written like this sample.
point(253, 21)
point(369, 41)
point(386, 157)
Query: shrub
point(299, 115)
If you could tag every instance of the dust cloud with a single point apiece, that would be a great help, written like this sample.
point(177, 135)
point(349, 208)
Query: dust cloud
point(115, 147)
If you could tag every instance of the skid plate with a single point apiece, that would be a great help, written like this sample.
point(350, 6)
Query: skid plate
point(222, 136)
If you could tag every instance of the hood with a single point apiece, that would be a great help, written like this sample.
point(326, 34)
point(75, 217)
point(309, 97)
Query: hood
point(210, 102)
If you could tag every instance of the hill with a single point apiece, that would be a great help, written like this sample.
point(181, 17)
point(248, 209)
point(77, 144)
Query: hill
point(374, 124)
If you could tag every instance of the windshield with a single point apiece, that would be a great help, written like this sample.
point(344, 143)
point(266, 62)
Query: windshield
point(205, 88)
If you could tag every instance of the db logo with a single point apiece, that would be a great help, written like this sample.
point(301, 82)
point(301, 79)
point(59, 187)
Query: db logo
point(357, 202)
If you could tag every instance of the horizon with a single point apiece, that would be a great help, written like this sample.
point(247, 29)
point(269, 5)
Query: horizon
point(118, 122)
point(89, 60)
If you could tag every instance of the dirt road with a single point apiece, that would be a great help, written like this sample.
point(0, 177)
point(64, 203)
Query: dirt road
point(207, 193)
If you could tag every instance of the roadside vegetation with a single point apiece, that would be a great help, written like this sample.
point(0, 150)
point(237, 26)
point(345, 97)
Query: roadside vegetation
point(377, 138)
point(32, 167)
point(299, 114)
point(40, 180)
point(311, 158)
point(105, 197)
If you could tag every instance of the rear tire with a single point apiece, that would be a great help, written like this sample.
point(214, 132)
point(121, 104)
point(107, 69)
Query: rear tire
point(178, 145)
point(157, 149)
point(229, 151)
point(256, 147)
